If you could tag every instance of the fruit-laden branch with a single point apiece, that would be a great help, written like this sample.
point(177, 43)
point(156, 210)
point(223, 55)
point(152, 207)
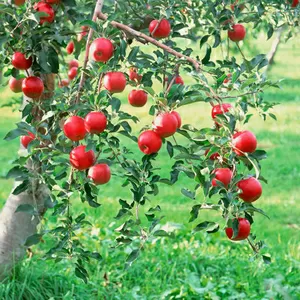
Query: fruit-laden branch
point(151, 40)
point(97, 11)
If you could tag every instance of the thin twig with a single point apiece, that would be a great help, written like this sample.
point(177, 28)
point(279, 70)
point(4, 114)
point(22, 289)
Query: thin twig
point(97, 11)
point(176, 69)
point(241, 95)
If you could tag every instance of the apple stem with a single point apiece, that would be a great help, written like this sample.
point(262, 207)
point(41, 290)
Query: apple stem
point(97, 11)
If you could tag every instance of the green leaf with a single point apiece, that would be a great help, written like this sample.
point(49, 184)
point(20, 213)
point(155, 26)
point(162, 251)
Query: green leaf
point(14, 134)
point(188, 193)
point(209, 227)
point(133, 53)
point(26, 208)
point(33, 239)
point(170, 149)
point(89, 23)
point(21, 187)
point(132, 257)
point(267, 259)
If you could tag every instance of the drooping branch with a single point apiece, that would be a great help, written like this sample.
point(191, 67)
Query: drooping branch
point(140, 35)
point(97, 11)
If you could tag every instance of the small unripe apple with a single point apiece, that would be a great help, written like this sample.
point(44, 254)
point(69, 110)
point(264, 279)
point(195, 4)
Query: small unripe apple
point(244, 142)
point(47, 9)
point(80, 159)
point(15, 84)
point(244, 228)
point(251, 189)
point(178, 118)
point(95, 122)
point(223, 175)
point(101, 49)
point(20, 62)
point(133, 75)
point(26, 139)
point(149, 142)
point(33, 87)
point(237, 33)
point(72, 73)
point(73, 64)
point(70, 47)
point(74, 128)
point(100, 173)
point(165, 124)
point(137, 98)
point(64, 82)
point(162, 30)
point(114, 82)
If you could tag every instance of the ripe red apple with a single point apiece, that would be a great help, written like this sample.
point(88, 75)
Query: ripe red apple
point(64, 82)
point(26, 139)
point(237, 33)
point(100, 173)
point(114, 82)
point(179, 80)
point(213, 156)
point(72, 73)
point(19, 2)
point(73, 64)
point(220, 109)
point(33, 87)
point(149, 142)
point(15, 84)
point(244, 142)
point(133, 75)
point(80, 159)
point(228, 78)
point(251, 189)
point(95, 122)
point(178, 118)
point(162, 30)
point(295, 3)
point(84, 32)
point(222, 174)
point(74, 128)
point(20, 62)
point(244, 228)
point(45, 8)
point(101, 49)
point(165, 124)
point(137, 98)
point(70, 47)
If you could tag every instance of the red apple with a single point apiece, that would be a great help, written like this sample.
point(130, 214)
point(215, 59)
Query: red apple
point(45, 8)
point(165, 124)
point(19, 2)
point(95, 122)
point(178, 118)
point(33, 87)
point(52, 1)
point(137, 98)
point(114, 82)
point(179, 80)
point(251, 189)
point(100, 174)
point(15, 84)
point(244, 142)
point(102, 49)
point(244, 228)
point(72, 73)
point(64, 82)
point(213, 156)
point(228, 78)
point(237, 33)
point(70, 47)
point(295, 3)
point(220, 109)
point(149, 142)
point(73, 64)
point(20, 62)
point(74, 128)
point(26, 139)
point(80, 159)
point(133, 75)
point(222, 174)
point(162, 30)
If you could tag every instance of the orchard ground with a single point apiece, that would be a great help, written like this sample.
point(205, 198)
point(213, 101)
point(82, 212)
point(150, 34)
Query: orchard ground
point(191, 266)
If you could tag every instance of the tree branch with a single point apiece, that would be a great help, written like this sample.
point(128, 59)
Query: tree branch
point(151, 40)
point(97, 11)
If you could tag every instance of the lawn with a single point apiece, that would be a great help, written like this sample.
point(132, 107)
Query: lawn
point(190, 266)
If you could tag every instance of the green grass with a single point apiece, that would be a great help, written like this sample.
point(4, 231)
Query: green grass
point(190, 266)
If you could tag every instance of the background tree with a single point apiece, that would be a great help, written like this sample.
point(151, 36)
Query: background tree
point(34, 36)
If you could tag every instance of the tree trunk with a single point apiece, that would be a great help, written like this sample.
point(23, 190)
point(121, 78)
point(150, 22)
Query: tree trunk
point(274, 48)
point(15, 228)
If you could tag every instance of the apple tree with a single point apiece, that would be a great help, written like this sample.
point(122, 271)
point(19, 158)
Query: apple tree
point(72, 118)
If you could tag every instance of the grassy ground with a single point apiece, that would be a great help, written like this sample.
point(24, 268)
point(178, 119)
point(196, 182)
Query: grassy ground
point(190, 266)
